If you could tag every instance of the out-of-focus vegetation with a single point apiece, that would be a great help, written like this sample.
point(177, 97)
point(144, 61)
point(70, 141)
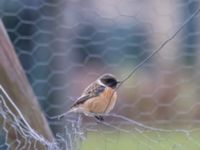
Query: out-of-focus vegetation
point(138, 141)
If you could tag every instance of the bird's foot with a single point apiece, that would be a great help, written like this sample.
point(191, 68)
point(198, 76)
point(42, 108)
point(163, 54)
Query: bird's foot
point(99, 118)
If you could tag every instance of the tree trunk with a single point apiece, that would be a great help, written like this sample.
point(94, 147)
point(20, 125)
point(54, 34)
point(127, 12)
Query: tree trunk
point(13, 80)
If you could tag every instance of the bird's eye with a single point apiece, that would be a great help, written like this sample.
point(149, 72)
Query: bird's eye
point(111, 81)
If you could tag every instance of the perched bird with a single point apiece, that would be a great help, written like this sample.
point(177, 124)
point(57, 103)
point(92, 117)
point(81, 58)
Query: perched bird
point(98, 98)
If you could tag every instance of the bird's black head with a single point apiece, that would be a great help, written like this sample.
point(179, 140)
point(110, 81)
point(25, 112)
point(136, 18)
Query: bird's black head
point(109, 80)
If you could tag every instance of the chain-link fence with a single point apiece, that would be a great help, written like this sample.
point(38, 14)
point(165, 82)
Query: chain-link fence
point(64, 45)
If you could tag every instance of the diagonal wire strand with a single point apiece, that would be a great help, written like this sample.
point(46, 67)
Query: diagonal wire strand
point(161, 46)
point(154, 53)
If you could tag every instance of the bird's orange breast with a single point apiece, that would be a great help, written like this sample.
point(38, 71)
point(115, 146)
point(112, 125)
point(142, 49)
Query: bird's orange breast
point(104, 103)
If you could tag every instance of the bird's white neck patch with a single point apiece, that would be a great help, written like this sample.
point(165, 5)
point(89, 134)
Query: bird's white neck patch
point(99, 82)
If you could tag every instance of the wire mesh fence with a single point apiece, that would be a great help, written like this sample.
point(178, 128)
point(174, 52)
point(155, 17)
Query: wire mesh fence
point(65, 45)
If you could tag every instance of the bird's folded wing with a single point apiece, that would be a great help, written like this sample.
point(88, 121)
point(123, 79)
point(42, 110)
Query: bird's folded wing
point(93, 90)
point(81, 100)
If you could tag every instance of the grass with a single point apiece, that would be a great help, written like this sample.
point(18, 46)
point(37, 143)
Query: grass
point(142, 141)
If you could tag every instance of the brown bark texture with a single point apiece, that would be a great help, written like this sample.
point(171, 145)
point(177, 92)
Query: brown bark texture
point(15, 83)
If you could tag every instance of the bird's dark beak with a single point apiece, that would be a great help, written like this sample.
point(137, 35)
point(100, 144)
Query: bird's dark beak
point(118, 82)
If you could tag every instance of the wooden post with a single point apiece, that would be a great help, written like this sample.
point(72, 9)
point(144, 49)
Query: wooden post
point(14, 81)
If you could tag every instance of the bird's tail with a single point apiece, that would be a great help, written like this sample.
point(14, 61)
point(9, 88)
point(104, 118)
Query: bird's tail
point(71, 110)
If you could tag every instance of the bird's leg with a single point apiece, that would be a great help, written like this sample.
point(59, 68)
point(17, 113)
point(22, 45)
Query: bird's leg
point(99, 118)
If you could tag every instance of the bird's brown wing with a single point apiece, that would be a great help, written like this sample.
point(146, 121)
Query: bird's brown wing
point(93, 90)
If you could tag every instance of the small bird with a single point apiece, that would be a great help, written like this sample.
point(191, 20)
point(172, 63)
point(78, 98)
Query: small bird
point(98, 98)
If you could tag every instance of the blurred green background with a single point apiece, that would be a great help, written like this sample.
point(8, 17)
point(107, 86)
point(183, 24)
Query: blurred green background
point(63, 45)
point(144, 141)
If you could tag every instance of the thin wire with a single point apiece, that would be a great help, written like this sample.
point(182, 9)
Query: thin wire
point(160, 48)
point(153, 53)
point(24, 127)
